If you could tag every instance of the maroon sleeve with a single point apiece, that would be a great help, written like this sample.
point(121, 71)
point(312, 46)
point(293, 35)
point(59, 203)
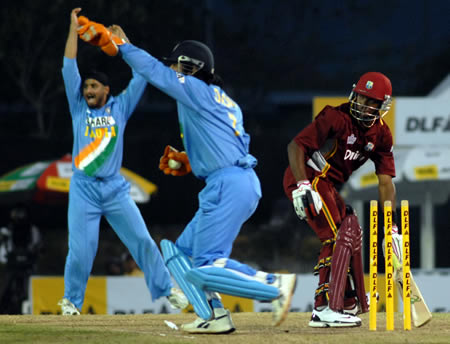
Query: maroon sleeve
point(324, 126)
point(383, 157)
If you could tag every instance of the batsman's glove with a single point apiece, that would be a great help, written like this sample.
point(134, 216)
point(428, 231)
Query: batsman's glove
point(171, 153)
point(307, 202)
point(98, 35)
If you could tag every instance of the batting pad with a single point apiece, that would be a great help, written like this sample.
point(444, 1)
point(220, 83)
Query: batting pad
point(178, 264)
point(227, 282)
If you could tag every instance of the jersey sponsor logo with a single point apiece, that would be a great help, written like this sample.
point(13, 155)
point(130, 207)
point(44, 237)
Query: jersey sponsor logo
point(351, 139)
point(101, 126)
point(100, 121)
point(369, 147)
point(349, 155)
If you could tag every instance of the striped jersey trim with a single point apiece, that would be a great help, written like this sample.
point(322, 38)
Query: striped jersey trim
point(332, 152)
point(325, 209)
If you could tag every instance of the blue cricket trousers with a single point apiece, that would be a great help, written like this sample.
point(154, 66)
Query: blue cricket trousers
point(91, 198)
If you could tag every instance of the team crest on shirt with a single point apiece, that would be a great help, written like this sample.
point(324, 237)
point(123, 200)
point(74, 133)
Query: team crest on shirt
point(369, 85)
point(369, 147)
point(351, 139)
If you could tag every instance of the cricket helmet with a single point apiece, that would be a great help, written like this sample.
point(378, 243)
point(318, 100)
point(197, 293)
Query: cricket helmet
point(372, 85)
point(192, 54)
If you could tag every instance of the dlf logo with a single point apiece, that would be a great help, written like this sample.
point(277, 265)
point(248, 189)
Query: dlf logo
point(349, 155)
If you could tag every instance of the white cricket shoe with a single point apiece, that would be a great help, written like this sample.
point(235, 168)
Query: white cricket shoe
point(353, 310)
point(286, 283)
point(329, 318)
point(221, 323)
point(177, 299)
point(68, 308)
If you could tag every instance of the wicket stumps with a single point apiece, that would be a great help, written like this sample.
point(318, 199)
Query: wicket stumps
point(389, 266)
point(373, 265)
point(406, 264)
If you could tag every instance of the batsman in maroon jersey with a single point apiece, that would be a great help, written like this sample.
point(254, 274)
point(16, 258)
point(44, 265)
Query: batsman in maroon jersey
point(321, 158)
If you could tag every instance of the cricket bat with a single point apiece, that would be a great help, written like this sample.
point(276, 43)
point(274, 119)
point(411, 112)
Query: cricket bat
point(420, 313)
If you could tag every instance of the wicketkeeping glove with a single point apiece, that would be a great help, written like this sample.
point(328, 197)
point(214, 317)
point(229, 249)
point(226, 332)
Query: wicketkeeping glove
point(98, 35)
point(307, 202)
point(165, 162)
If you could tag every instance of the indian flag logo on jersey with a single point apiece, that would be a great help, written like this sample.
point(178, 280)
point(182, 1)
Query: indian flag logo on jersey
point(93, 156)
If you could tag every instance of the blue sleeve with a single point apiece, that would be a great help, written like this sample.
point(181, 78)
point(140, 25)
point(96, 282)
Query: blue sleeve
point(72, 84)
point(182, 88)
point(129, 98)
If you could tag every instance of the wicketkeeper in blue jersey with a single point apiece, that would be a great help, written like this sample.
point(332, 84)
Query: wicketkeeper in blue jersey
point(216, 149)
point(96, 188)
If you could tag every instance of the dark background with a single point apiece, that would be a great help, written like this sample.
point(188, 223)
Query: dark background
point(274, 56)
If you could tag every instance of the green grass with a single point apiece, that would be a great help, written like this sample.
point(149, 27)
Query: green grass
point(252, 328)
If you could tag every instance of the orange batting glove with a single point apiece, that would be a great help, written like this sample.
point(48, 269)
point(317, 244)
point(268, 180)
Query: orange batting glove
point(179, 159)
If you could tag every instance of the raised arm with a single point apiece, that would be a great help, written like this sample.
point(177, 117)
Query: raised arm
point(72, 38)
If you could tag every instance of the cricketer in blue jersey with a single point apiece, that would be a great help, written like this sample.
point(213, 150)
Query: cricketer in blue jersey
point(217, 150)
point(96, 188)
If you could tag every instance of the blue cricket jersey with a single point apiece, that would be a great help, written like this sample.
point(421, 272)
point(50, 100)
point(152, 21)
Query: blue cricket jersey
point(98, 133)
point(211, 122)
